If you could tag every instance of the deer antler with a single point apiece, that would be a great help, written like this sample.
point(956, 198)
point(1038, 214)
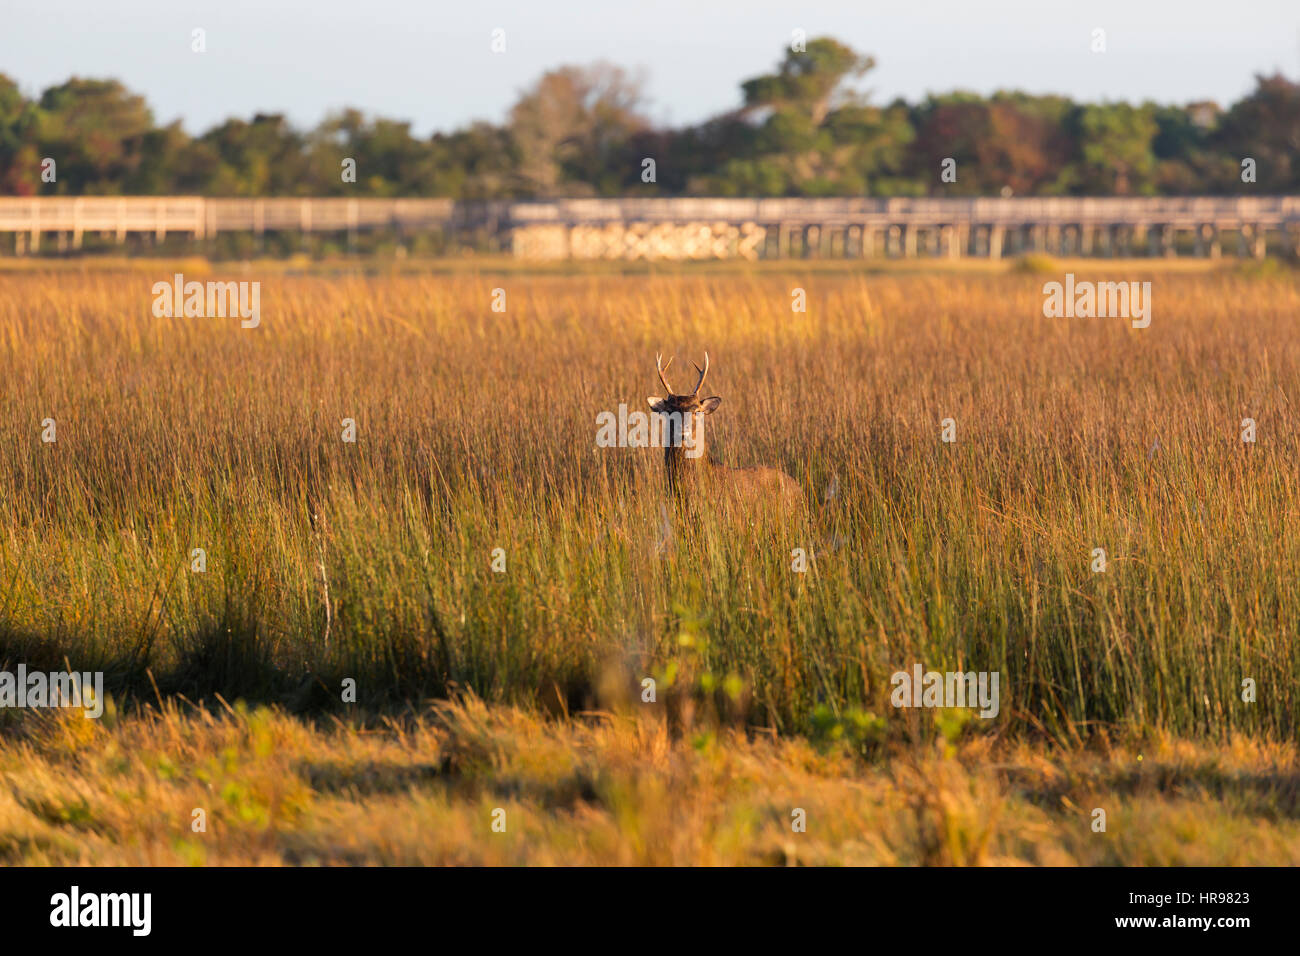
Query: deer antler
point(703, 372)
point(661, 369)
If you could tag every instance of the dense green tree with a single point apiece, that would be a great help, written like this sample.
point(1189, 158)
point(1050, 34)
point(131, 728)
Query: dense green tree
point(809, 81)
point(1265, 127)
point(97, 133)
point(1116, 155)
point(258, 158)
point(804, 130)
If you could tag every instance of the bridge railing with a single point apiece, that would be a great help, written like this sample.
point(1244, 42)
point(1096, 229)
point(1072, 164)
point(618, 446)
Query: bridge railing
point(755, 227)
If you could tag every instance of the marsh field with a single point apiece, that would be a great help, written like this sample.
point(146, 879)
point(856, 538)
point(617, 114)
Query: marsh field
point(348, 675)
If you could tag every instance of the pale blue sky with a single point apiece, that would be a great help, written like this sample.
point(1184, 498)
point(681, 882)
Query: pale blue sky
point(430, 62)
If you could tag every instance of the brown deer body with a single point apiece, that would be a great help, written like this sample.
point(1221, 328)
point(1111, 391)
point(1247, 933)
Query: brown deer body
point(691, 472)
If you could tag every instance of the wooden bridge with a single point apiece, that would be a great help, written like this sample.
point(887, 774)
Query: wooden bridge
point(676, 229)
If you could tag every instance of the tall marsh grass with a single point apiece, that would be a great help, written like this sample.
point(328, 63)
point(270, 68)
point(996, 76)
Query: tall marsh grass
point(476, 430)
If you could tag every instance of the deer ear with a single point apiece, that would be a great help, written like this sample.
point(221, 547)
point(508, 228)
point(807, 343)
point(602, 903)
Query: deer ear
point(710, 405)
point(656, 404)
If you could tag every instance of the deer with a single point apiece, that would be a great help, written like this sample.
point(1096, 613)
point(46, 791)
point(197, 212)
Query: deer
point(691, 472)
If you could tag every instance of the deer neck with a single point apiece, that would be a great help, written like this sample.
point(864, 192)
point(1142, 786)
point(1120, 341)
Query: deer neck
point(686, 458)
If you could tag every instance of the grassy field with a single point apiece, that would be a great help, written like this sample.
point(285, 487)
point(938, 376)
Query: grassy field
point(371, 561)
point(617, 789)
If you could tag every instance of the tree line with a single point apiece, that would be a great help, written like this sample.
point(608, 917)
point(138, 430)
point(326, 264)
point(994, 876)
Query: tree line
point(805, 129)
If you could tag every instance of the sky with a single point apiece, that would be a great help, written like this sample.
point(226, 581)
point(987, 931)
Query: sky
point(431, 62)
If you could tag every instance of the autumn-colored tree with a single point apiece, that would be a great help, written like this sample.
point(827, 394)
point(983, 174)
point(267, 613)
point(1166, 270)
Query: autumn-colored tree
point(573, 125)
point(19, 159)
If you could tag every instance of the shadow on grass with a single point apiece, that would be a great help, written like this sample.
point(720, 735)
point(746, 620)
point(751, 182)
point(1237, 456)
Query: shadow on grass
point(1271, 794)
point(366, 778)
point(238, 659)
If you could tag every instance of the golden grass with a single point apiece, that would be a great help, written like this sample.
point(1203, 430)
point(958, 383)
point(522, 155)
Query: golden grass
point(615, 789)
